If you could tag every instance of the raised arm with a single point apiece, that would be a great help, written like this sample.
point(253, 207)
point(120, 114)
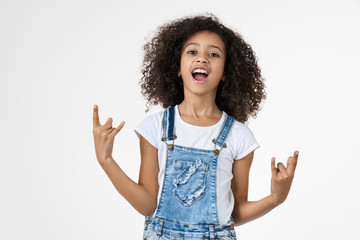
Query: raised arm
point(143, 195)
point(281, 179)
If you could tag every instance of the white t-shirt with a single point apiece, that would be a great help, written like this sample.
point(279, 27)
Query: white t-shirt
point(240, 142)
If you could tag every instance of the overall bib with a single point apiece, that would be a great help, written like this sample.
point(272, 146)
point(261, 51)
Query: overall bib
point(187, 208)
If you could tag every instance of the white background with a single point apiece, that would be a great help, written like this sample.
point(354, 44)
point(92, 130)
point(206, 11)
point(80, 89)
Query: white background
point(58, 58)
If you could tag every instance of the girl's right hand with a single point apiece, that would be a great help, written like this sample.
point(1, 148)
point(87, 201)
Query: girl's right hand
point(104, 136)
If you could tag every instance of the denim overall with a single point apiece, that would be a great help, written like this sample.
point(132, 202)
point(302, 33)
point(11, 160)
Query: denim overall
point(187, 207)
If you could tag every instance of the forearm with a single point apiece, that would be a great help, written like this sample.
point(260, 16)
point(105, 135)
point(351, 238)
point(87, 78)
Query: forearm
point(137, 195)
point(246, 211)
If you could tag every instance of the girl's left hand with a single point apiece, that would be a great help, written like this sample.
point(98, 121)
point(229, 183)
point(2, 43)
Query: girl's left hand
point(282, 177)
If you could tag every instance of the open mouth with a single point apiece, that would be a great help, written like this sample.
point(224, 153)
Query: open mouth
point(199, 74)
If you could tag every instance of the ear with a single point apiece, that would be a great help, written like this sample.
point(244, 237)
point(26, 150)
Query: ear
point(223, 77)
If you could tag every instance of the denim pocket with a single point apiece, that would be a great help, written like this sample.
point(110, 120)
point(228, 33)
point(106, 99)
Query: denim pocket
point(190, 180)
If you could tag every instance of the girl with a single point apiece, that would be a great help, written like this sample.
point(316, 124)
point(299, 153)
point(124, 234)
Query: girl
point(196, 155)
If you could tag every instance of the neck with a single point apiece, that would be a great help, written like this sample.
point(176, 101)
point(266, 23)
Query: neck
point(200, 107)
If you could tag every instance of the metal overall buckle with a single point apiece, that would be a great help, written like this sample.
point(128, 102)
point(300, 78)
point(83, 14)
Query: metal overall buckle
point(171, 145)
point(217, 150)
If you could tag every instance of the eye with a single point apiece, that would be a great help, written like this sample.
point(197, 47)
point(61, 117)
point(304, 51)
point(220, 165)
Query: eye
point(214, 55)
point(191, 52)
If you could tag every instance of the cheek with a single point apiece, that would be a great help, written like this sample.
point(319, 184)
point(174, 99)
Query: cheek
point(221, 69)
point(184, 65)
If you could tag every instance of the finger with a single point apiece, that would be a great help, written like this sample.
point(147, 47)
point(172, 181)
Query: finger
point(121, 125)
point(281, 167)
point(107, 125)
point(292, 162)
point(109, 131)
point(273, 168)
point(96, 120)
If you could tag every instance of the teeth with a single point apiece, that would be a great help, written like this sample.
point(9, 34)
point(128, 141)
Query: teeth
point(200, 71)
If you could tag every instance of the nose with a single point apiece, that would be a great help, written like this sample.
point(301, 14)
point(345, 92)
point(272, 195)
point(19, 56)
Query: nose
point(201, 59)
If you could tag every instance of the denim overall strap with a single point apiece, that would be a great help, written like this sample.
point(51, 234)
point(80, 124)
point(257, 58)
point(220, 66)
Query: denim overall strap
point(168, 127)
point(220, 140)
point(168, 124)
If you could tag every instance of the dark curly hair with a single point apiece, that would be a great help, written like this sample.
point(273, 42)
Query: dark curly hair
point(239, 95)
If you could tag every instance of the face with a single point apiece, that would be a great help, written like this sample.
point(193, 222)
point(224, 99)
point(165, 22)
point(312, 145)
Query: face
point(202, 63)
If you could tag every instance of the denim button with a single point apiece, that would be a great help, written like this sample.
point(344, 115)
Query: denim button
point(147, 222)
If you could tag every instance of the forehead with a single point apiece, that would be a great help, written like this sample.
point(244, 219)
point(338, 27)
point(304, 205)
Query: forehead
point(206, 38)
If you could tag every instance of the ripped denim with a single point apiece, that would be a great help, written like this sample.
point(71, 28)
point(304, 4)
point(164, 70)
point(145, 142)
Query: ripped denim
point(189, 190)
point(189, 180)
point(159, 229)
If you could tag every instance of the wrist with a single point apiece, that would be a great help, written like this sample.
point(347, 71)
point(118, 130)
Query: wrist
point(105, 161)
point(273, 200)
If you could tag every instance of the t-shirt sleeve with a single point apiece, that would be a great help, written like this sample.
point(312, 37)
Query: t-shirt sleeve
point(245, 143)
point(149, 129)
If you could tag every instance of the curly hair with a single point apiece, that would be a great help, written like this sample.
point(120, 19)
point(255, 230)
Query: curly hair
point(239, 95)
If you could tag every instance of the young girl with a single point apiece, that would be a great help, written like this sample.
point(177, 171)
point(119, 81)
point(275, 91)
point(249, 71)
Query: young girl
point(196, 154)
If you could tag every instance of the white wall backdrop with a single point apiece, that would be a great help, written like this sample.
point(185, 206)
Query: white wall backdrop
point(58, 58)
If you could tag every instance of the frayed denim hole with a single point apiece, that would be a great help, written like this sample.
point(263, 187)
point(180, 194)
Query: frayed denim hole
point(197, 191)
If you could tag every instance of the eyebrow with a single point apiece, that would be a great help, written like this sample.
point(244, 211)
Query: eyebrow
point(209, 46)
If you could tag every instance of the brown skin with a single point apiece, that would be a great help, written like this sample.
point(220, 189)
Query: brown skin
point(204, 50)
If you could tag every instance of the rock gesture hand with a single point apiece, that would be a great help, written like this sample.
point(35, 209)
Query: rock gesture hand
point(282, 177)
point(104, 136)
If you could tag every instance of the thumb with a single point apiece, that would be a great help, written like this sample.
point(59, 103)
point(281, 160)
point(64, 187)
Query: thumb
point(292, 162)
point(273, 168)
